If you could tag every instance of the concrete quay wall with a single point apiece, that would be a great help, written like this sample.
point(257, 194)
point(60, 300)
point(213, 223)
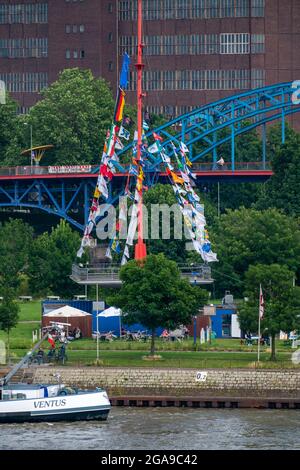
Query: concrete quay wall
point(177, 382)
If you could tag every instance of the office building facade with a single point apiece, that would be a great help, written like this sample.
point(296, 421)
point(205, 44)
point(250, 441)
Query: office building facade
point(196, 51)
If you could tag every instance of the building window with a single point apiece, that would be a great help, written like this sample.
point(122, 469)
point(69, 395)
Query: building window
point(168, 80)
point(74, 28)
point(194, 44)
point(191, 9)
point(68, 54)
point(110, 8)
point(75, 54)
point(68, 28)
point(82, 54)
point(110, 37)
point(239, 79)
point(25, 82)
point(258, 43)
point(23, 13)
point(22, 48)
point(258, 78)
point(235, 43)
point(258, 8)
point(110, 66)
point(81, 28)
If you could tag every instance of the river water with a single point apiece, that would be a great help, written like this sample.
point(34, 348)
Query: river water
point(163, 429)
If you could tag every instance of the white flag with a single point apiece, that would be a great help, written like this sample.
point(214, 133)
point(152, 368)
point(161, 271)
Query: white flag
point(132, 225)
point(102, 186)
point(80, 252)
point(153, 148)
point(183, 147)
point(126, 252)
point(119, 145)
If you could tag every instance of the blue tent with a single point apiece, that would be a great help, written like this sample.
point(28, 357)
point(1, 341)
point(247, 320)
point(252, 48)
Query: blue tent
point(109, 320)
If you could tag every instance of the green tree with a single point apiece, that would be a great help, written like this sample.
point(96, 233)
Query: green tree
point(9, 315)
point(281, 301)
point(10, 132)
point(15, 241)
point(74, 115)
point(282, 190)
point(154, 295)
point(247, 146)
point(246, 236)
point(51, 259)
point(233, 196)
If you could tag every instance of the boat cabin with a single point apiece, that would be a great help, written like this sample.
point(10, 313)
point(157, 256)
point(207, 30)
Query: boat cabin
point(25, 391)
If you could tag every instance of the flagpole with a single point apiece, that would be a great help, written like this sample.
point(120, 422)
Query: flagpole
point(97, 313)
point(140, 247)
point(258, 341)
point(259, 311)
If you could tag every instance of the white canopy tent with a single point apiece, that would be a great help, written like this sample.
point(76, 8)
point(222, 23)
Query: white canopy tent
point(73, 316)
point(66, 311)
point(110, 312)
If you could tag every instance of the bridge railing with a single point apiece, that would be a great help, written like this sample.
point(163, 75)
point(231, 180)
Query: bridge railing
point(239, 166)
point(90, 169)
point(47, 170)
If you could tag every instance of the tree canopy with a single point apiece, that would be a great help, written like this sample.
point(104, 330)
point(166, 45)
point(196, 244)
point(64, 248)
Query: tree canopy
point(281, 301)
point(10, 131)
point(9, 314)
point(282, 190)
point(15, 241)
point(154, 294)
point(247, 237)
point(51, 258)
point(73, 115)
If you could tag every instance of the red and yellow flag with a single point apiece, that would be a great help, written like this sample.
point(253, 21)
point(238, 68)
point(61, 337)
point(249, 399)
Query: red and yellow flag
point(120, 103)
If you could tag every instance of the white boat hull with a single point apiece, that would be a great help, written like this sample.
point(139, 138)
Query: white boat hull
point(82, 406)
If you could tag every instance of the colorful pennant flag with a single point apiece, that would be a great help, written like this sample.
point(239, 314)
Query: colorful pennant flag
point(124, 133)
point(119, 108)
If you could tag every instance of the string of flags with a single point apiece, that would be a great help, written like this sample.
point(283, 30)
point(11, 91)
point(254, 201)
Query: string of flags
point(187, 198)
point(109, 160)
point(181, 179)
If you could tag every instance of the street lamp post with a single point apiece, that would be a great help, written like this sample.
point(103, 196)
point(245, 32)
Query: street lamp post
point(31, 145)
point(85, 285)
point(31, 141)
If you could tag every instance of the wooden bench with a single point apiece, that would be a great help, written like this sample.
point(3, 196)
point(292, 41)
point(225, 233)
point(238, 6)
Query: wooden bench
point(79, 297)
point(25, 298)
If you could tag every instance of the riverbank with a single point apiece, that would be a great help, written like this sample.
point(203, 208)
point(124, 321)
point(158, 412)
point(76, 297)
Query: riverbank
point(183, 384)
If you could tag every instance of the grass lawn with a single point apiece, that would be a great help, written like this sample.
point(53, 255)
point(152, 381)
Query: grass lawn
point(172, 359)
point(221, 353)
point(30, 311)
point(21, 336)
point(228, 345)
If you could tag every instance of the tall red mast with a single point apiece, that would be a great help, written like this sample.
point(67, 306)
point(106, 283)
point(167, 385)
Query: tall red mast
point(140, 247)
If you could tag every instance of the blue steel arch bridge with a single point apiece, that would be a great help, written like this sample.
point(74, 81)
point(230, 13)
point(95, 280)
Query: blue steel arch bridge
point(66, 192)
